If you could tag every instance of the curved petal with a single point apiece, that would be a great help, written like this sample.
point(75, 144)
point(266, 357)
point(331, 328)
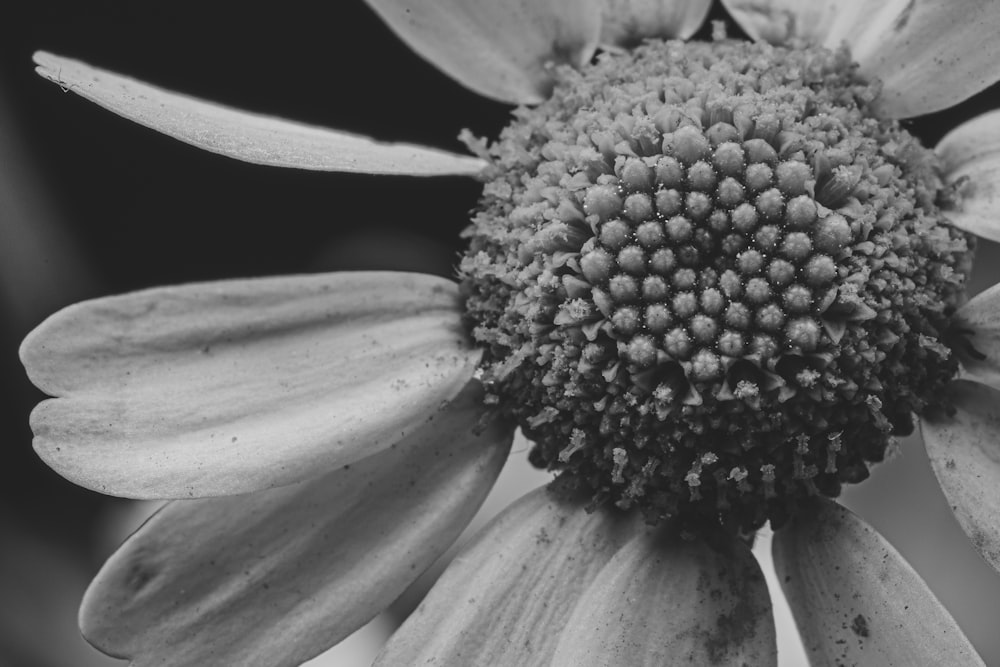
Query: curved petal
point(970, 158)
point(980, 317)
point(226, 387)
point(965, 455)
point(929, 55)
point(856, 601)
point(502, 49)
point(278, 576)
point(505, 598)
point(660, 602)
point(247, 136)
point(627, 22)
point(822, 22)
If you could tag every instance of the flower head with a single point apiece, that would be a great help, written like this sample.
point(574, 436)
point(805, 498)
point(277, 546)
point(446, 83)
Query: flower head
point(712, 281)
point(721, 267)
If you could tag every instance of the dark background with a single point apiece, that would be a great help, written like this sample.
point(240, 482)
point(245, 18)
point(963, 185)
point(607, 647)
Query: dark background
point(91, 204)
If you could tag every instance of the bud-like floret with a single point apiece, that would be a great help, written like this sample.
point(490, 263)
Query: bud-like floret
point(638, 207)
point(650, 234)
point(669, 202)
point(729, 193)
point(670, 173)
point(701, 176)
point(602, 201)
point(615, 234)
point(632, 259)
point(712, 324)
point(698, 205)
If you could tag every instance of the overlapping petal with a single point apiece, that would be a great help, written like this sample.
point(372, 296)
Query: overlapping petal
point(503, 49)
point(248, 136)
point(970, 157)
point(505, 598)
point(276, 577)
point(856, 601)
point(628, 22)
point(964, 450)
point(226, 387)
point(822, 22)
point(979, 319)
point(928, 55)
point(660, 602)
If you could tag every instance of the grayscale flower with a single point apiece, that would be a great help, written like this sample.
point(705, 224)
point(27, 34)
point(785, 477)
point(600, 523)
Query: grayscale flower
point(711, 281)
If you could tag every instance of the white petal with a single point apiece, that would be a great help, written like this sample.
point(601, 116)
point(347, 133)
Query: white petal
point(965, 453)
point(276, 577)
point(970, 156)
point(247, 136)
point(929, 55)
point(821, 22)
point(664, 602)
point(628, 22)
point(855, 599)
point(503, 49)
point(506, 597)
point(234, 386)
point(979, 318)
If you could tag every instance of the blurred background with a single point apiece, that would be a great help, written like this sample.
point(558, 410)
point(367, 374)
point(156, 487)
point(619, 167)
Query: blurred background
point(91, 205)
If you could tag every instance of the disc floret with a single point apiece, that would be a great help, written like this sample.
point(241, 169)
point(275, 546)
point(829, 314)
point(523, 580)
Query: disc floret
point(709, 283)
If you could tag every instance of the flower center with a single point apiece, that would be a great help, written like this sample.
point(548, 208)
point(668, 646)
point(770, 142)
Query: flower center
point(709, 284)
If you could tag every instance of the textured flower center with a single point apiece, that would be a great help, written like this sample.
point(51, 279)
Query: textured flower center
point(709, 284)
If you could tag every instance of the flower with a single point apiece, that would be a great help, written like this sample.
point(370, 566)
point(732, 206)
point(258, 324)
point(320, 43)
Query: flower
point(711, 280)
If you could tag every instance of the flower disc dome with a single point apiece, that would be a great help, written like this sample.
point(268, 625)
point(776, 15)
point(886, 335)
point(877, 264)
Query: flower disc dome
point(711, 282)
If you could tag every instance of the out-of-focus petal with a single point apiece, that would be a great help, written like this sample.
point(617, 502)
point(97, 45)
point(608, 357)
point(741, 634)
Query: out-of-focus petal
point(980, 317)
point(964, 450)
point(627, 22)
point(225, 387)
point(970, 156)
point(41, 584)
point(821, 22)
point(661, 602)
point(503, 49)
point(278, 576)
point(504, 599)
point(855, 599)
point(929, 55)
point(248, 136)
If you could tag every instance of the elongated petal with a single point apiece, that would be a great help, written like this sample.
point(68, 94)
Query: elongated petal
point(247, 136)
point(502, 49)
point(504, 599)
point(628, 22)
point(970, 156)
point(929, 55)
point(661, 602)
point(220, 388)
point(855, 599)
point(278, 576)
point(964, 450)
point(980, 318)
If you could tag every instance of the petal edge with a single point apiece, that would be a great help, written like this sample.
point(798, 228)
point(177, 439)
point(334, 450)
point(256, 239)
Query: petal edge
point(856, 601)
point(246, 136)
point(502, 49)
point(276, 577)
point(235, 386)
point(965, 457)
